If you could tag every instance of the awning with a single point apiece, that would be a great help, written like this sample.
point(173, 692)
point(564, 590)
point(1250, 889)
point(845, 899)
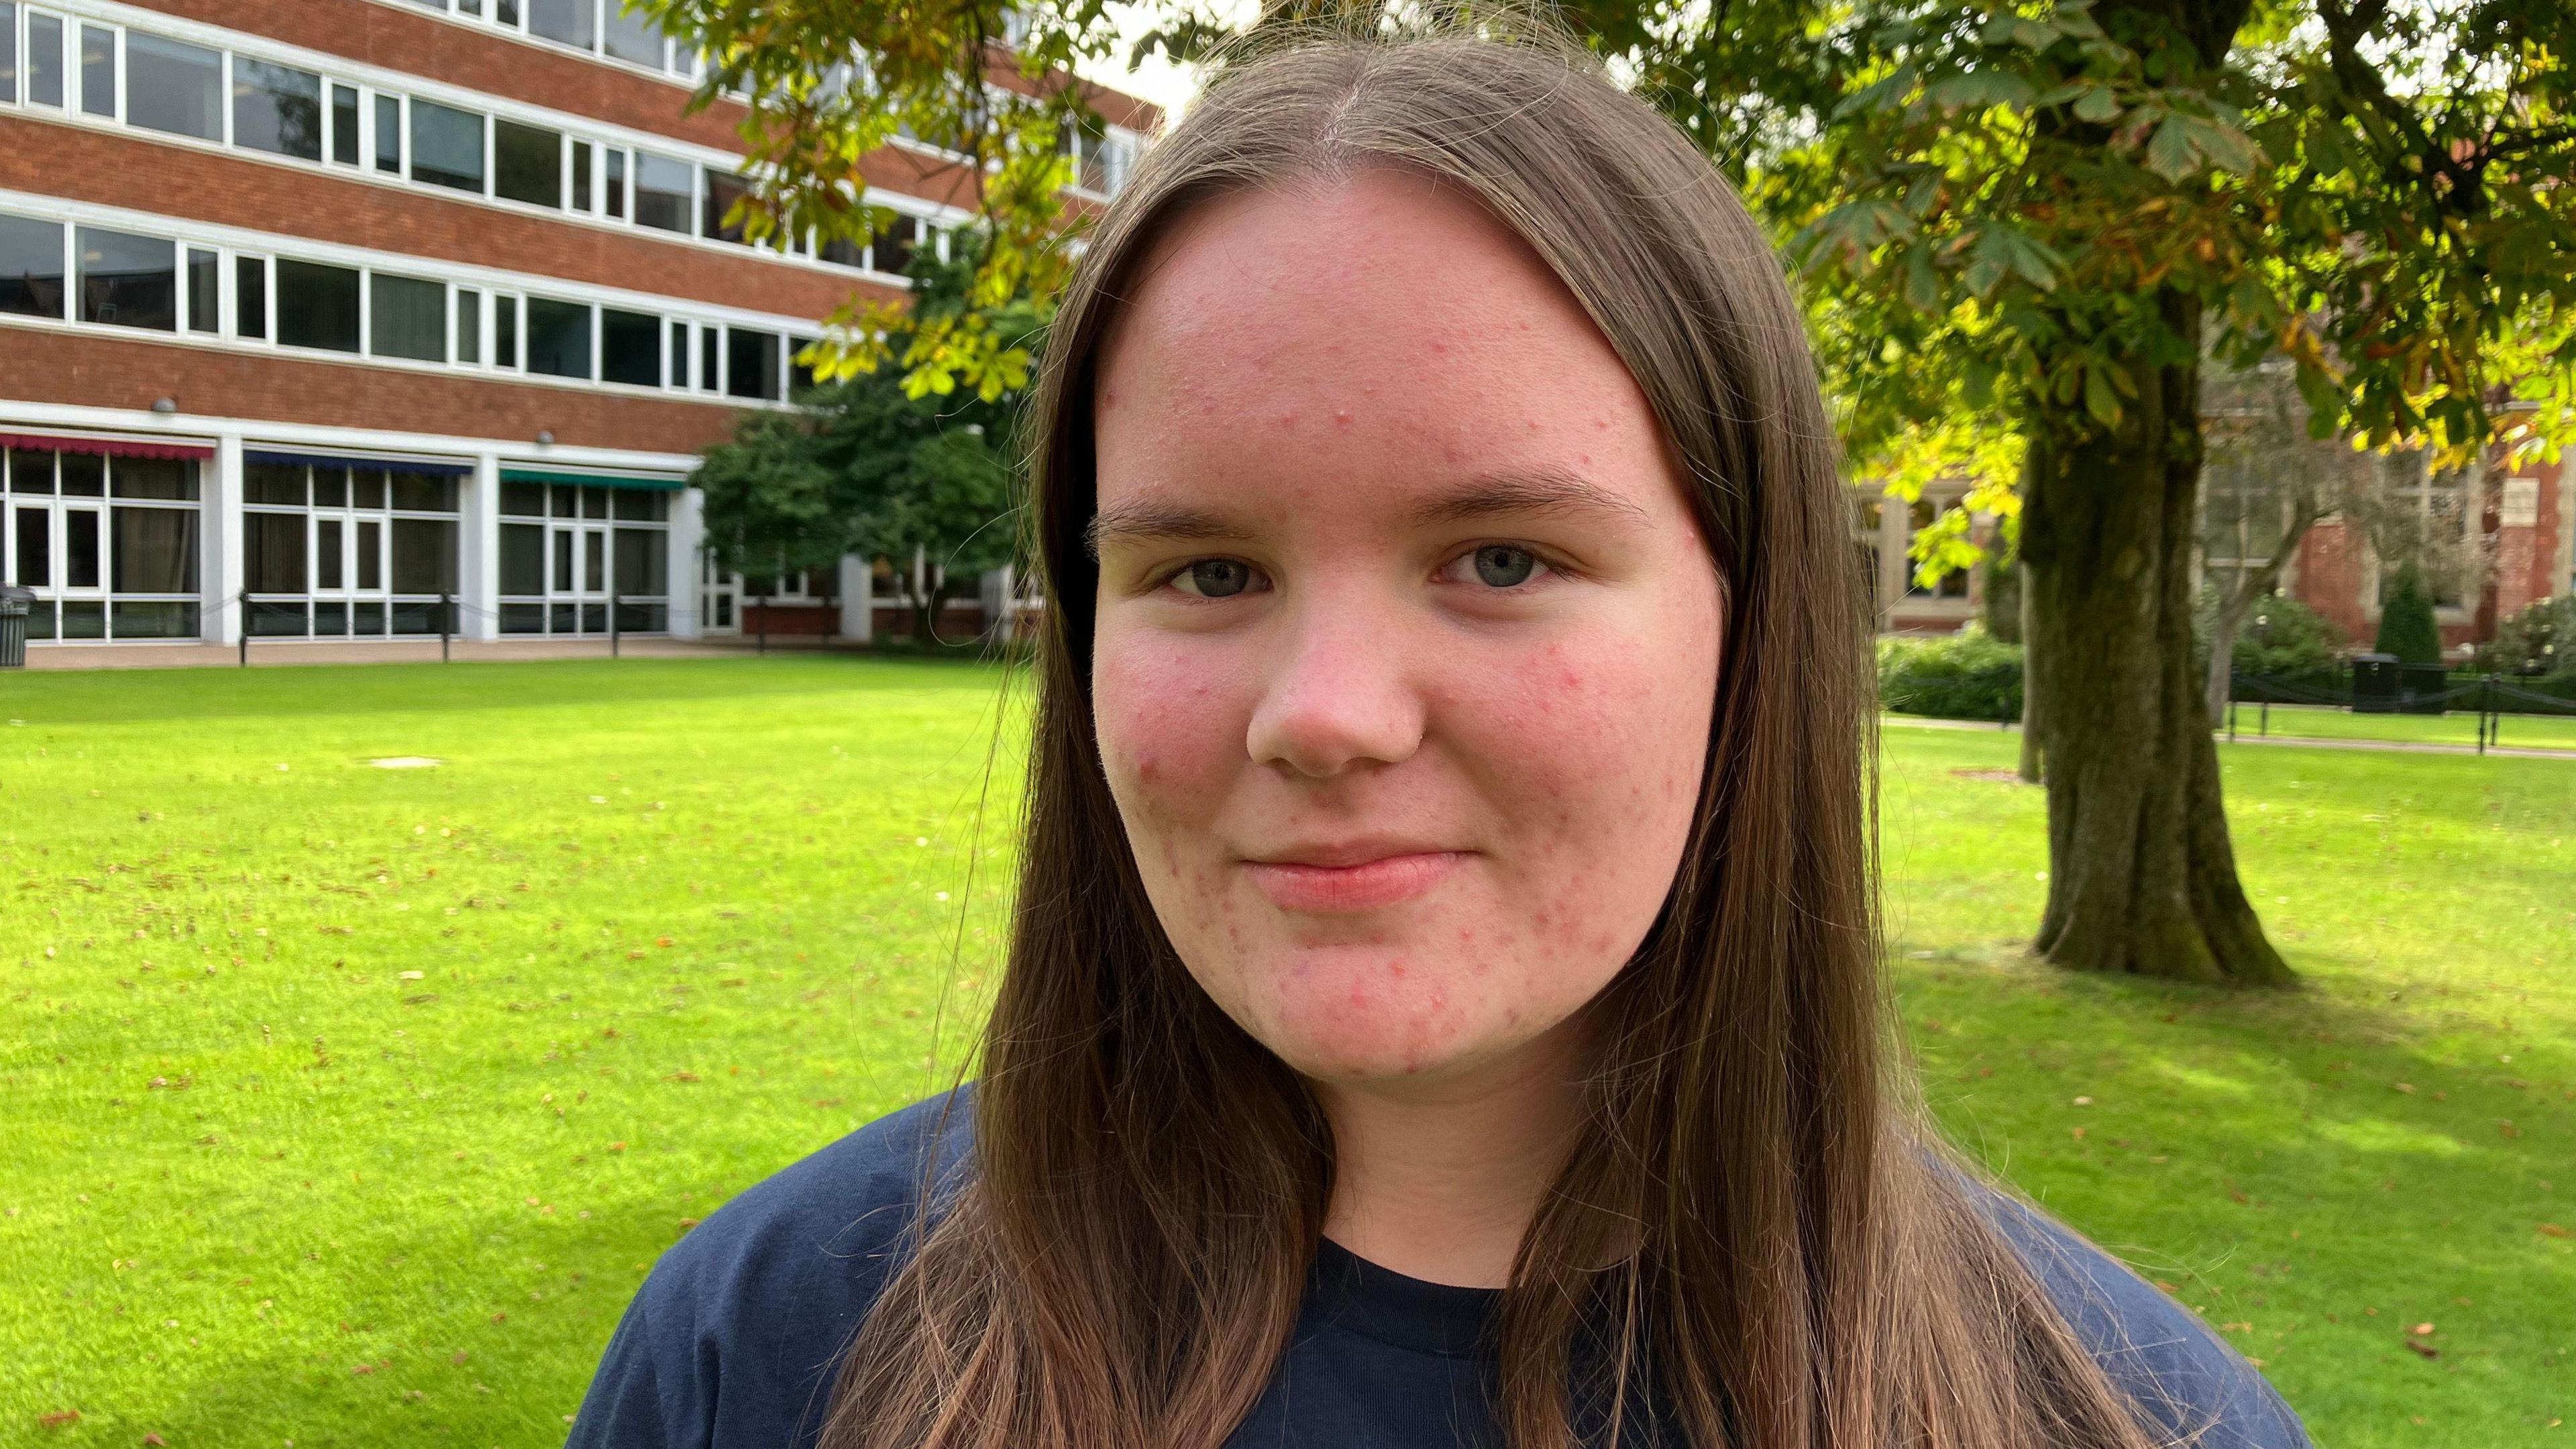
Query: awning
point(446, 467)
point(662, 481)
point(110, 447)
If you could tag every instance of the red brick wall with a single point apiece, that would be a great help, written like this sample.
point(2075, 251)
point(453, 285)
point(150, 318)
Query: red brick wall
point(112, 169)
point(2526, 555)
point(2330, 578)
point(42, 365)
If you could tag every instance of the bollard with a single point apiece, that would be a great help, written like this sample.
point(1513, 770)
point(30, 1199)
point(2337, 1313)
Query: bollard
point(241, 623)
point(614, 649)
point(446, 624)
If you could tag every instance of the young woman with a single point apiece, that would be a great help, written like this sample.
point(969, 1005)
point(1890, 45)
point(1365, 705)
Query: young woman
point(1445, 1000)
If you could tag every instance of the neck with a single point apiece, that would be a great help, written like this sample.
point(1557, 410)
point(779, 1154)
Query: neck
point(1439, 1179)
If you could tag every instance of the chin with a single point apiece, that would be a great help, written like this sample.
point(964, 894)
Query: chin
point(1341, 1018)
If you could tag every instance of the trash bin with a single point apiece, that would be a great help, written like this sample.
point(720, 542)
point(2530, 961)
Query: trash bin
point(2423, 688)
point(2374, 684)
point(14, 604)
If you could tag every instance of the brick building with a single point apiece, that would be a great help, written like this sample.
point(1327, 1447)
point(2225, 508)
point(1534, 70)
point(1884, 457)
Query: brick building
point(315, 311)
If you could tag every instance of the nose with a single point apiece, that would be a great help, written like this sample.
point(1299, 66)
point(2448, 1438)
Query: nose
point(1338, 694)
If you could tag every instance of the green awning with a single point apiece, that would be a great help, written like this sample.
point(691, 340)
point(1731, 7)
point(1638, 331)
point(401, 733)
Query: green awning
point(663, 481)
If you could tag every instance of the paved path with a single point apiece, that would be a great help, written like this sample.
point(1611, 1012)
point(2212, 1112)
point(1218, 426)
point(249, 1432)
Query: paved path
point(265, 653)
point(2313, 742)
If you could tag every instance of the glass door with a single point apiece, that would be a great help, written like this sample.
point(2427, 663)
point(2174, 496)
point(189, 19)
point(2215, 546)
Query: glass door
point(577, 578)
point(80, 542)
point(719, 596)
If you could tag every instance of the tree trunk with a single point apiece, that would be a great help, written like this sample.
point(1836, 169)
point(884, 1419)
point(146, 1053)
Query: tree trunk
point(2141, 876)
point(2034, 763)
point(2232, 603)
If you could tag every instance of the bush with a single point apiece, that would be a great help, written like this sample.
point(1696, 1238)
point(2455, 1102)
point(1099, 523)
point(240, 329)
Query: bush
point(2278, 636)
point(2406, 627)
point(1967, 675)
point(2539, 640)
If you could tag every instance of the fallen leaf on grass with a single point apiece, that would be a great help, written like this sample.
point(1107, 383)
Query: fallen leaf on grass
point(155, 1440)
point(2425, 1350)
point(2422, 1330)
point(681, 1077)
point(2552, 1230)
point(58, 1418)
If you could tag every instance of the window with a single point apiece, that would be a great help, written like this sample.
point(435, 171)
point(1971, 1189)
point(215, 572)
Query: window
point(277, 109)
point(469, 326)
point(407, 317)
point(8, 53)
point(505, 330)
point(613, 200)
point(523, 557)
point(894, 246)
point(558, 338)
point(204, 291)
point(800, 374)
point(273, 551)
point(840, 251)
point(250, 296)
point(723, 190)
point(128, 280)
point(344, 125)
point(98, 70)
point(630, 347)
point(710, 363)
point(751, 363)
point(632, 37)
point(31, 266)
point(664, 192)
point(572, 22)
point(389, 133)
point(177, 88)
point(679, 354)
point(162, 479)
point(1954, 584)
point(527, 163)
point(446, 146)
point(44, 59)
point(424, 555)
point(581, 176)
point(155, 550)
point(317, 306)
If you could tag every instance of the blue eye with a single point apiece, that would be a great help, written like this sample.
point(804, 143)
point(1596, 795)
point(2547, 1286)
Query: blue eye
point(1215, 578)
point(1504, 567)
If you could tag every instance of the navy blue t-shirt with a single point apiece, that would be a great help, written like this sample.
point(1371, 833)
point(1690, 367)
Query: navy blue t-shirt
point(735, 1339)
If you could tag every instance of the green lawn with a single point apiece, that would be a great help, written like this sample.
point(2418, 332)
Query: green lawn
point(676, 923)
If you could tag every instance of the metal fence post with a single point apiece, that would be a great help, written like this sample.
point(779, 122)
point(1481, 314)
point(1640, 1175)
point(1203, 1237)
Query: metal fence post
point(241, 606)
point(446, 624)
point(615, 647)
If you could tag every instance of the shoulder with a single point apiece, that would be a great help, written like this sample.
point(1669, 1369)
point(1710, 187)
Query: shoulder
point(2188, 1379)
point(737, 1333)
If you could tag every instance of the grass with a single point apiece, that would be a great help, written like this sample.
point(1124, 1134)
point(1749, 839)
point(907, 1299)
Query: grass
point(677, 923)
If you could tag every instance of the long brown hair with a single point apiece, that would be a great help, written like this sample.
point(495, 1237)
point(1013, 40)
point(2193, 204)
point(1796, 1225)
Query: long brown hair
point(1757, 1234)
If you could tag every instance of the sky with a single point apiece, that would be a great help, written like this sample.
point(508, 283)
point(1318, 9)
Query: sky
point(1160, 81)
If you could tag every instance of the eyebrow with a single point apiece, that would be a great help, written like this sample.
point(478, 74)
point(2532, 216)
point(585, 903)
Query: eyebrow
point(1502, 492)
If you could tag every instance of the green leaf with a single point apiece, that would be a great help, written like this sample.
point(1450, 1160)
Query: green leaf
point(2170, 153)
point(2099, 399)
point(1922, 284)
point(2099, 105)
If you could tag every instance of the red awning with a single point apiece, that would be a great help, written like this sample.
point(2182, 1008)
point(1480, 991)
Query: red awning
point(112, 447)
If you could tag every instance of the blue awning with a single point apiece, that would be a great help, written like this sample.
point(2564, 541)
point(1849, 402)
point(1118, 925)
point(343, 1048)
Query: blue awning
point(443, 467)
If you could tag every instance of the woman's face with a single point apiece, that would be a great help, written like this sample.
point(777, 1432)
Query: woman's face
point(1407, 640)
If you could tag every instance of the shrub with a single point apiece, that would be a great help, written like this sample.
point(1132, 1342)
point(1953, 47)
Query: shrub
point(2406, 627)
point(2539, 640)
point(1967, 675)
point(2278, 636)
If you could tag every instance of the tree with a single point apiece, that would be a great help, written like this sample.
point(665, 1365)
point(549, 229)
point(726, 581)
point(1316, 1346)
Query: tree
point(2406, 626)
point(871, 465)
point(2054, 212)
point(2045, 212)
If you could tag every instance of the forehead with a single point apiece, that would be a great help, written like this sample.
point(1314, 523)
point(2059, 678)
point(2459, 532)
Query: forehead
point(1380, 328)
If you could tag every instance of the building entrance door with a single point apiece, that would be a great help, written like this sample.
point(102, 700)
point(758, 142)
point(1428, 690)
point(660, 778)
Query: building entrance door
point(578, 582)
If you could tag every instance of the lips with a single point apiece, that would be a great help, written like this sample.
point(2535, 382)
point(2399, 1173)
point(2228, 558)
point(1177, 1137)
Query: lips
point(1362, 879)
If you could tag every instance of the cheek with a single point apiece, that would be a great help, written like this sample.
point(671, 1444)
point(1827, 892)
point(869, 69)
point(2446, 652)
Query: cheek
point(1169, 733)
point(1597, 747)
